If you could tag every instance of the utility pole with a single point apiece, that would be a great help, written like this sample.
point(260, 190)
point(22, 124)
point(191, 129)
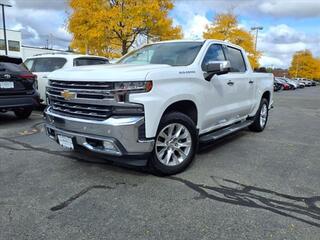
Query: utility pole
point(257, 32)
point(4, 27)
point(297, 68)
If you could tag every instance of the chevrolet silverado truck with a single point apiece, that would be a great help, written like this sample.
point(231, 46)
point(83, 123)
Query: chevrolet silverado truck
point(156, 104)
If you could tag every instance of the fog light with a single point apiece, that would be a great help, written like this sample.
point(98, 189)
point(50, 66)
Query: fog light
point(109, 146)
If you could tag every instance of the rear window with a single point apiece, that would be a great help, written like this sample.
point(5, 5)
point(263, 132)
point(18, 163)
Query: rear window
point(11, 67)
point(89, 61)
point(10, 59)
point(45, 64)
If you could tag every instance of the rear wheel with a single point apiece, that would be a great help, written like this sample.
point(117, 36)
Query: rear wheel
point(23, 113)
point(175, 144)
point(261, 118)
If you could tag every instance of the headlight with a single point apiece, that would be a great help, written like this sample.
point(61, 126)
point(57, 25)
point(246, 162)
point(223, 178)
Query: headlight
point(139, 86)
point(123, 89)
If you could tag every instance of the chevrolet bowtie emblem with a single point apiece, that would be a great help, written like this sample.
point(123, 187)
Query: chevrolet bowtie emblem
point(7, 76)
point(67, 95)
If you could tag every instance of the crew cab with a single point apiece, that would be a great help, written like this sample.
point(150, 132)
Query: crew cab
point(157, 103)
point(17, 88)
point(43, 64)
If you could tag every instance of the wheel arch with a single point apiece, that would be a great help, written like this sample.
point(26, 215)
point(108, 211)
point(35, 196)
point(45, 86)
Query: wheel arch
point(266, 95)
point(187, 107)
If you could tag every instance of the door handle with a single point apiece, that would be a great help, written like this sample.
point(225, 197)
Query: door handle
point(230, 83)
point(251, 81)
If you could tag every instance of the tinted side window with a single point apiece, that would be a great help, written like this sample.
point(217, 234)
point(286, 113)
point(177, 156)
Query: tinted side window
point(236, 60)
point(214, 53)
point(48, 64)
point(89, 61)
point(29, 63)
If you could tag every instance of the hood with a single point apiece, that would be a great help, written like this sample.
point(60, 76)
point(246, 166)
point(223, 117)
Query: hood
point(108, 72)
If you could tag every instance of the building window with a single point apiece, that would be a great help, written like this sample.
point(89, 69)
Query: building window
point(2, 45)
point(14, 46)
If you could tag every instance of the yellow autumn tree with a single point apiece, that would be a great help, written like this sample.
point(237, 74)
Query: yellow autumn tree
point(304, 65)
point(111, 27)
point(317, 74)
point(225, 27)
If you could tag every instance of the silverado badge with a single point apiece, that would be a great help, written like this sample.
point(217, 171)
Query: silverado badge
point(67, 95)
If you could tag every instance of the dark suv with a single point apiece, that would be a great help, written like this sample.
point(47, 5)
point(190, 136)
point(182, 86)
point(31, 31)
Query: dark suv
point(17, 88)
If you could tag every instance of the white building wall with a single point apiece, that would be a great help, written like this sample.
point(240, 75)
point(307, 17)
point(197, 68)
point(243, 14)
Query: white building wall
point(23, 51)
point(11, 36)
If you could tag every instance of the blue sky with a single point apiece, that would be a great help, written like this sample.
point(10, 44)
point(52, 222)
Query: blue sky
point(289, 25)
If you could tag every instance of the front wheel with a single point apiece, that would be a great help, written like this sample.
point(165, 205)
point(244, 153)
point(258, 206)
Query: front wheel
point(261, 118)
point(175, 144)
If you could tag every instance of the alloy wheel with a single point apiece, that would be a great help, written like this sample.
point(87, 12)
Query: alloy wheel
point(263, 115)
point(173, 144)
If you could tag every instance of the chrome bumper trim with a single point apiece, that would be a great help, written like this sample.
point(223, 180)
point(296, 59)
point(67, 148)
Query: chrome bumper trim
point(122, 132)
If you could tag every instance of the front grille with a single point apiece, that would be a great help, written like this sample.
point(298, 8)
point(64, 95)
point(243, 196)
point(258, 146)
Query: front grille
point(88, 103)
point(85, 111)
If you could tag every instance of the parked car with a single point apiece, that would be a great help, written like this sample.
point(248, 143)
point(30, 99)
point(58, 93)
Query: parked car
point(307, 83)
point(17, 88)
point(158, 102)
point(313, 83)
point(299, 82)
point(43, 64)
point(293, 85)
point(277, 86)
point(284, 85)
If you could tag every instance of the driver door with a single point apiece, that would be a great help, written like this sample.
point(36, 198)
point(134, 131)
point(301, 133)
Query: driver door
point(221, 94)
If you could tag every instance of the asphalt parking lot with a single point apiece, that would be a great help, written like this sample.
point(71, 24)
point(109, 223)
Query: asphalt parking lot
point(247, 186)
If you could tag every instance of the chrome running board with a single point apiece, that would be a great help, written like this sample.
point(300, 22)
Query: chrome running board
point(212, 136)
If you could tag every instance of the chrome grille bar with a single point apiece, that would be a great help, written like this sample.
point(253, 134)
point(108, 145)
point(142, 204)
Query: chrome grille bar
point(82, 85)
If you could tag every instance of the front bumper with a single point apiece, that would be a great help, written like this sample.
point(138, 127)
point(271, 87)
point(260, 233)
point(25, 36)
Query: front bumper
point(12, 102)
point(120, 133)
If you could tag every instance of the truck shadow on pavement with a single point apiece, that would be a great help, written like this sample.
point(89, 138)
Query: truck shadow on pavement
point(304, 209)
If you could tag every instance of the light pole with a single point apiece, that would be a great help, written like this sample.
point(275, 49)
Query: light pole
point(257, 31)
point(4, 27)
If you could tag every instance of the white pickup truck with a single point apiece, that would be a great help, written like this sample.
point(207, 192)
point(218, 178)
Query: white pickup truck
point(158, 103)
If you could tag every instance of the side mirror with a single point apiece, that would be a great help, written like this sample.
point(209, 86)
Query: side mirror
point(216, 68)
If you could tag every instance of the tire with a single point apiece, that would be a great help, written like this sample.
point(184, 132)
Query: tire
point(260, 122)
point(173, 152)
point(23, 113)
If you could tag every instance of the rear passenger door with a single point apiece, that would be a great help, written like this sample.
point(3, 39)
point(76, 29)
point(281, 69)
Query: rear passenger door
point(243, 87)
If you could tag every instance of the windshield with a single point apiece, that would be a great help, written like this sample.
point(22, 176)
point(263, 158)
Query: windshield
point(171, 53)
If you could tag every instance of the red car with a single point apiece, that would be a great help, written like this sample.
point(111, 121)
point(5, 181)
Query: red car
point(284, 85)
